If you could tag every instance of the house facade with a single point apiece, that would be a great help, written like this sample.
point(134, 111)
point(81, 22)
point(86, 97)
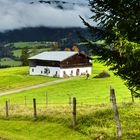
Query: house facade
point(60, 64)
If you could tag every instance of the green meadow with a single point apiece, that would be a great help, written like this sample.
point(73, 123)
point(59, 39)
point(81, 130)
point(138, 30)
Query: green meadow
point(92, 91)
point(13, 58)
point(30, 44)
point(9, 62)
point(18, 52)
point(18, 77)
point(95, 116)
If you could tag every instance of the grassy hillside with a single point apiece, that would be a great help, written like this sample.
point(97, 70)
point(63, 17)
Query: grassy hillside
point(18, 52)
point(11, 53)
point(95, 116)
point(55, 122)
point(9, 62)
point(20, 45)
point(94, 90)
point(39, 130)
point(18, 77)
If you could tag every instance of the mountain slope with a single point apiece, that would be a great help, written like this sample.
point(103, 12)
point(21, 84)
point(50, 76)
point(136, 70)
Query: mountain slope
point(43, 34)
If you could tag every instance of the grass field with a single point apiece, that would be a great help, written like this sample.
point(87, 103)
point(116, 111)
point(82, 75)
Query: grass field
point(30, 44)
point(18, 77)
point(9, 62)
point(18, 52)
point(92, 91)
point(16, 48)
point(39, 130)
point(94, 111)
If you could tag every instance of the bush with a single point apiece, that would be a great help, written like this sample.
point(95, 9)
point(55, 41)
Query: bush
point(103, 74)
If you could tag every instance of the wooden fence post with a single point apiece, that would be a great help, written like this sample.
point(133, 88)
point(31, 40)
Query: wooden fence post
point(132, 95)
point(116, 113)
point(74, 112)
point(34, 106)
point(7, 114)
point(25, 101)
point(46, 98)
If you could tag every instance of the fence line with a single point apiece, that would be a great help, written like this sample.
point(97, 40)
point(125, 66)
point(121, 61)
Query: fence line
point(27, 101)
point(71, 107)
point(13, 106)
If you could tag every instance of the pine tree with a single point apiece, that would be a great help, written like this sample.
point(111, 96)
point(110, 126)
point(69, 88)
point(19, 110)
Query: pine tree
point(24, 56)
point(119, 24)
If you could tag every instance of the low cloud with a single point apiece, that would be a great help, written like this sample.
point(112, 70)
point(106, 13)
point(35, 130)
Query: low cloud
point(15, 14)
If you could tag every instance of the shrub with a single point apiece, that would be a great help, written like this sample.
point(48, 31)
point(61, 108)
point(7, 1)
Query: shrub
point(103, 74)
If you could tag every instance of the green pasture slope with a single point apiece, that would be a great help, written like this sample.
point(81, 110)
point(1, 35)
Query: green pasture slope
point(94, 111)
point(35, 47)
point(92, 91)
point(40, 47)
point(18, 77)
point(9, 62)
point(30, 44)
point(18, 52)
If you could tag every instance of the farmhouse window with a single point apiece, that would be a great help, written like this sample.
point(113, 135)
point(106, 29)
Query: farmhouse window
point(47, 71)
point(71, 73)
point(32, 70)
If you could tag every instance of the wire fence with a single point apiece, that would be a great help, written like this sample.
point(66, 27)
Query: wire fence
point(46, 107)
point(67, 111)
point(27, 100)
point(26, 108)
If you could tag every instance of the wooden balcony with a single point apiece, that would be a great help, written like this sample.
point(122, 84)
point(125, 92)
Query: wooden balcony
point(75, 65)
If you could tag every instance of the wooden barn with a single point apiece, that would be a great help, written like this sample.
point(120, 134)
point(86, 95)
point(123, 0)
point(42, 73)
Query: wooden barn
point(60, 64)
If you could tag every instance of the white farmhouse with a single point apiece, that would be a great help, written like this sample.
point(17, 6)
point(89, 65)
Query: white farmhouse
point(60, 64)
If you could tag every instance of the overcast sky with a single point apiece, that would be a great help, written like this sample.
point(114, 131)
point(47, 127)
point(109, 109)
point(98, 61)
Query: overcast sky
point(15, 14)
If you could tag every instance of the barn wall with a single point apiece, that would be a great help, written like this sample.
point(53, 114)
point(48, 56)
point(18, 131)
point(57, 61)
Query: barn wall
point(82, 70)
point(41, 70)
point(78, 60)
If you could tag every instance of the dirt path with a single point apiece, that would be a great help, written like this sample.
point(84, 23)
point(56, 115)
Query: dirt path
point(35, 86)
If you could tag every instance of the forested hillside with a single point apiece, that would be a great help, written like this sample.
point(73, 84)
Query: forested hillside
point(43, 34)
point(16, 44)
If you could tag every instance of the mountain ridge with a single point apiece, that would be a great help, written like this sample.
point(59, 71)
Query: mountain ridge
point(44, 34)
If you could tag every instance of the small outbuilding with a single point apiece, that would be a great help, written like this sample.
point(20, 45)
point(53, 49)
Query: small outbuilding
point(60, 64)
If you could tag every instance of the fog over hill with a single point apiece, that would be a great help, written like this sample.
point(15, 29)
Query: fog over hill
point(61, 4)
point(38, 19)
point(16, 14)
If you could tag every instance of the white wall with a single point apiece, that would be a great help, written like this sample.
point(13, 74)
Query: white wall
point(39, 70)
point(81, 70)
